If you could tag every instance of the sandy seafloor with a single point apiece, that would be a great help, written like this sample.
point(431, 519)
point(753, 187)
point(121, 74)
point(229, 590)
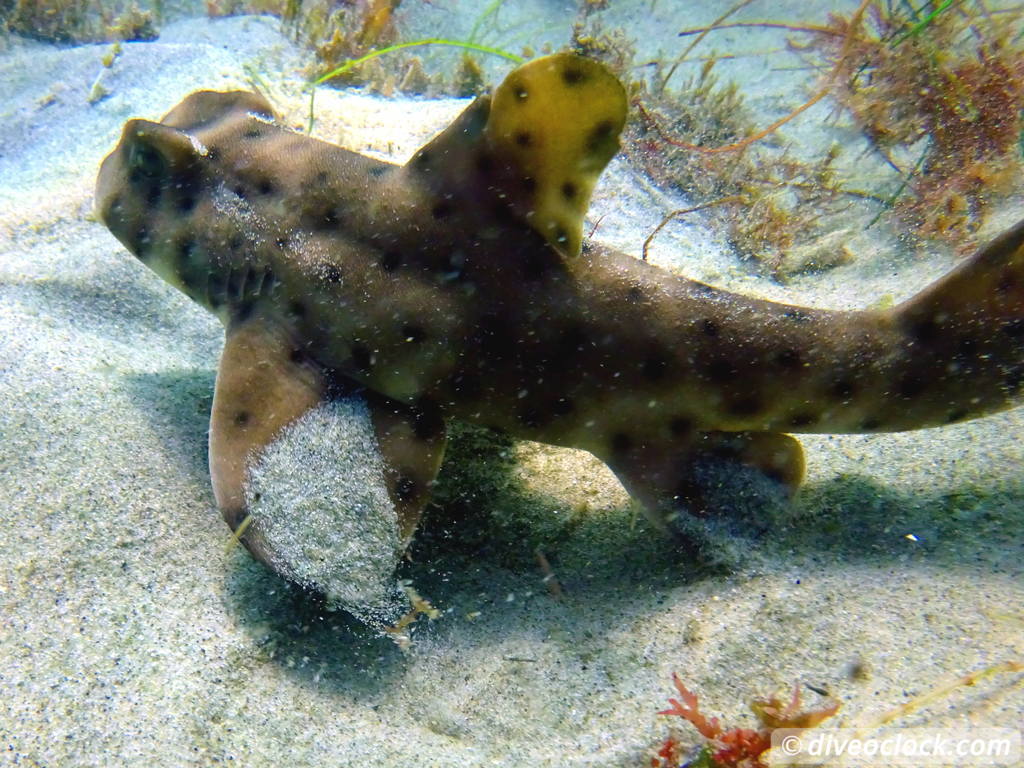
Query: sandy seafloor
point(129, 636)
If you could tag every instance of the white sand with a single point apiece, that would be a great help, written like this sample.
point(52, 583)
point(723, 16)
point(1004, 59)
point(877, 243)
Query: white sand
point(129, 637)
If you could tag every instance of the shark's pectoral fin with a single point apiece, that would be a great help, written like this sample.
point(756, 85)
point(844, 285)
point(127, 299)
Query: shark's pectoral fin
point(665, 477)
point(264, 385)
point(536, 147)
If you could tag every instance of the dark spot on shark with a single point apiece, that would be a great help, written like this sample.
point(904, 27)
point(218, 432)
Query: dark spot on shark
point(280, 242)
point(621, 443)
point(803, 419)
point(709, 328)
point(145, 162)
point(524, 139)
point(484, 163)
point(520, 91)
point(390, 261)
point(328, 218)
point(957, 415)
point(796, 315)
point(747, 405)
point(572, 339)
point(924, 331)
point(265, 186)
point(253, 133)
point(321, 178)
point(428, 423)
point(573, 75)
point(600, 135)
point(870, 424)
point(405, 488)
point(680, 426)
point(719, 371)
point(561, 234)
point(441, 210)
point(912, 385)
point(655, 366)
point(966, 352)
point(240, 191)
point(789, 359)
point(467, 386)
point(531, 417)
point(569, 190)
point(297, 356)
point(235, 242)
point(297, 308)
point(842, 388)
point(537, 263)
point(563, 406)
point(494, 337)
point(241, 418)
point(244, 312)
point(186, 202)
point(635, 294)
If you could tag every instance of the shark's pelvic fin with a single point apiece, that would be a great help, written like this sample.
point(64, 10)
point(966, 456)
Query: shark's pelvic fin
point(663, 475)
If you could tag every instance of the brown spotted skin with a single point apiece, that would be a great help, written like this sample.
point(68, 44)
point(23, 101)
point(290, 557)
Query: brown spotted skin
point(423, 285)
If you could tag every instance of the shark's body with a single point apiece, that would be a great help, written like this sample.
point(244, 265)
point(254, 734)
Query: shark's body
point(457, 287)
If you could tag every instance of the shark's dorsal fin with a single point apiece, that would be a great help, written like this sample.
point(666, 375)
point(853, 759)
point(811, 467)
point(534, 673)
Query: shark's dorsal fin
point(265, 384)
point(538, 144)
point(558, 120)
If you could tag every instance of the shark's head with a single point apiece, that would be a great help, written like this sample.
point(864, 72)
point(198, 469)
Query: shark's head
point(156, 186)
point(152, 171)
point(147, 188)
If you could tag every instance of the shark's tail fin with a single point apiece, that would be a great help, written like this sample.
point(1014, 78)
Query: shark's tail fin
point(966, 333)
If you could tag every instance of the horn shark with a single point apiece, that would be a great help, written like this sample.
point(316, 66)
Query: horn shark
point(459, 286)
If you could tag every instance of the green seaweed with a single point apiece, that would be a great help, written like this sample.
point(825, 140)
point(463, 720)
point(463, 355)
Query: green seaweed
point(412, 44)
point(352, 63)
point(923, 23)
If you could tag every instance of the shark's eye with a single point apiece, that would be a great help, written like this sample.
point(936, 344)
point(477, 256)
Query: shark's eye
point(145, 160)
